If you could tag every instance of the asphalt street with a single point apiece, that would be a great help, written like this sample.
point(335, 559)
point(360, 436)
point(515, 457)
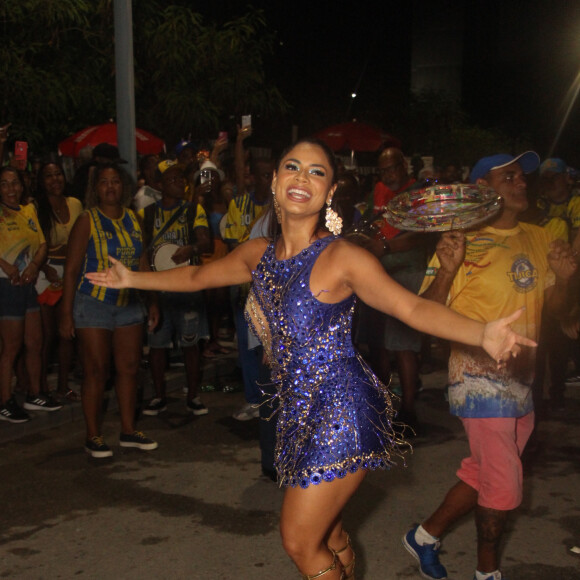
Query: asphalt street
point(198, 506)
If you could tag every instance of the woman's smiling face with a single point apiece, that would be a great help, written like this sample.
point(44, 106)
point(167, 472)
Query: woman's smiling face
point(10, 188)
point(304, 180)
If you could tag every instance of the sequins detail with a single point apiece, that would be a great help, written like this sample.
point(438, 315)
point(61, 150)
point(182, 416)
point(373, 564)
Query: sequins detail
point(334, 415)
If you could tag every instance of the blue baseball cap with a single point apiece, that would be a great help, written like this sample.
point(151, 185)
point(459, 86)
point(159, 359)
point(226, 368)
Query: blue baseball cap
point(183, 144)
point(555, 165)
point(529, 161)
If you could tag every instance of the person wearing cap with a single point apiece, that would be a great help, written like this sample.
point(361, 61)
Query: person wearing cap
point(181, 227)
point(185, 151)
point(498, 268)
point(555, 190)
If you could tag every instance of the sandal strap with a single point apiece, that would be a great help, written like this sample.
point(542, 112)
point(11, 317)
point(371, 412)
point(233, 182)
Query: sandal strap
point(325, 571)
point(351, 563)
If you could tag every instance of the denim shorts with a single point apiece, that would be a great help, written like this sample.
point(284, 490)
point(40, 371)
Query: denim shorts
point(16, 301)
point(183, 321)
point(89, 312)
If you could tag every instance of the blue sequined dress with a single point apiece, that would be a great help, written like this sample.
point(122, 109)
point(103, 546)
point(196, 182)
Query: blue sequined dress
point(334, 415)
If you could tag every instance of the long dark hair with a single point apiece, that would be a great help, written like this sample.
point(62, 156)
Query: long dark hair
point(46, 217)
point(274, 229)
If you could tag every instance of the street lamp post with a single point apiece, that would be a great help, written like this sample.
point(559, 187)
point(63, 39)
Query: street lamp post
point(125, 84)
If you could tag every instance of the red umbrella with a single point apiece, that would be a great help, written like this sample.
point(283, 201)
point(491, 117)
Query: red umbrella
point(355, 136)
point(147, 143)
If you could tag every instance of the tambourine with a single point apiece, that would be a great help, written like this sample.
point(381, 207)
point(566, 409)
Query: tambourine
point(441, 208)
point(161, 258)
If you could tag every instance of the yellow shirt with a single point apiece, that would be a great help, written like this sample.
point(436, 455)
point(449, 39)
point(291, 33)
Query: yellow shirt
point(243, 212)
point(20, 236)
point(61, 231)
point(503, 270)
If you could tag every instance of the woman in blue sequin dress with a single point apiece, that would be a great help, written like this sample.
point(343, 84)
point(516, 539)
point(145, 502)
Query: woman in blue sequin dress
point(334, 420)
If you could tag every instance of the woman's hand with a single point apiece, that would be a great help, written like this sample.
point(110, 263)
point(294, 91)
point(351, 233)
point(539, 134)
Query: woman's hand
point(501, 342)
point(117, 276)
point(12, 272)
point(30, 274)
point(52, 275)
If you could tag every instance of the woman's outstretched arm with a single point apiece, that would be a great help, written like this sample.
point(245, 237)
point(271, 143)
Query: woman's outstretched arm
point(234, 268)
point(365, 276)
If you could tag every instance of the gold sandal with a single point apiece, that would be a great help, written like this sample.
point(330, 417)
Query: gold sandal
point(326, 570)
point(350, 565)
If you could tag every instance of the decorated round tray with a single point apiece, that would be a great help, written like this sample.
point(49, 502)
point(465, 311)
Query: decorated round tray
point(441, 208)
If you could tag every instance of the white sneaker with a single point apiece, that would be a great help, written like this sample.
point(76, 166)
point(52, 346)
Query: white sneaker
point(247, 412)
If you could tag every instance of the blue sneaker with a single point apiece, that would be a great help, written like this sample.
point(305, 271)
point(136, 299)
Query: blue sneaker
point(427, 556)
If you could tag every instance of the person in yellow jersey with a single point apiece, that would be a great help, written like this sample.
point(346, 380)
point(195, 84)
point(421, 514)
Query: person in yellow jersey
point(107, 323)
point(177, 225)
point(503, 266)
point(22, 254)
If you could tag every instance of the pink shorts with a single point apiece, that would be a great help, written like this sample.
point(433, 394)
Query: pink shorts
point(494, 468)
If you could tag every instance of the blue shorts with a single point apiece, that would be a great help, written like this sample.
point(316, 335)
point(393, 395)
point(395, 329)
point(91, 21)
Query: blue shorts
point(17, 301)
point(88, 312)
point(183, 321)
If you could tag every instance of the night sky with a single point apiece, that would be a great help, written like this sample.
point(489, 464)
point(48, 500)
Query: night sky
point(519, 60)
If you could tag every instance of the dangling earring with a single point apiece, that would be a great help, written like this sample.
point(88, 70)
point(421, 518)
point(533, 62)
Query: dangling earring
point(332, 220)
point(277, 209)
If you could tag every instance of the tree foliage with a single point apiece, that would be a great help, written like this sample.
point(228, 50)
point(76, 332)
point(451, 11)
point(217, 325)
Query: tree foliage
point(432, 125)
point(57, 68)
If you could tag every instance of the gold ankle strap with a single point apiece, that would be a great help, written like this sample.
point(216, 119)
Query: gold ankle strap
point(350, 565)
point(347, 545)
point(325, 571)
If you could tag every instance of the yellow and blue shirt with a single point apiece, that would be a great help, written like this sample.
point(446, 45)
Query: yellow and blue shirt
point(243, 211)
point(120, 238)
point(180, 232)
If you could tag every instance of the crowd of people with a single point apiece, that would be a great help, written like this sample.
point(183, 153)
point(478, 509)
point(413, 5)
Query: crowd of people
point(295, 255)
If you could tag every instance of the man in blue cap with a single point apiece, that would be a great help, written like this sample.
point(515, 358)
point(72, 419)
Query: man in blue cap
point(555, 188)
point(487, 273)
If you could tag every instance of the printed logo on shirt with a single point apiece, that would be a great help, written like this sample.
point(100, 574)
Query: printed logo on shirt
point(523, 275)
point(477, 249)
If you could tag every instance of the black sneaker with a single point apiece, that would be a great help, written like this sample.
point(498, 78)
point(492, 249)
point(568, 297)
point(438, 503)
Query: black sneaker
point(155, 406)
point(12, 412)
point(137, 439)
point(197, 407)
point(41, 403)
point(97, 447)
